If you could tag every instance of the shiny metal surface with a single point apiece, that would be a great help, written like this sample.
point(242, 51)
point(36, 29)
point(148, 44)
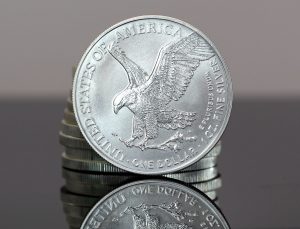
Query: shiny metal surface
point(152, 95)
point(208, 186)
point(71, 129)
point(81, 212)
point(70, 105)
point(87, 165)
point(73, 142)
point(69, 117)
point(103, 179)
point(101, 165)
point(88, 190)
point(83, 154)
point(154, 204)
point(72, 199)
point(194, 176)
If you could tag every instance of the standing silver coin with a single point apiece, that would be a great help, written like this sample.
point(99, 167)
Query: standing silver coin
point(154, 204)
point(152, 95)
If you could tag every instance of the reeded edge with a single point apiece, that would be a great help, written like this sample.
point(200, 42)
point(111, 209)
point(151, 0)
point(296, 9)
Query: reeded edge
point(207, 149)
point(192, 190)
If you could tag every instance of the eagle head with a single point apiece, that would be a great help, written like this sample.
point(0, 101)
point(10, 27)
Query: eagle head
point(125, 98)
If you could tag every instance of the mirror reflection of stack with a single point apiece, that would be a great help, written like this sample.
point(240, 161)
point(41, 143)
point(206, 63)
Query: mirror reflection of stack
point(155, 204)
point(88, 176)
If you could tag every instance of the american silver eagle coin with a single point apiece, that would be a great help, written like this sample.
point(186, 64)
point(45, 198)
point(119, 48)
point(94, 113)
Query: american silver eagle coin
point(152, 95)
point(154, 204)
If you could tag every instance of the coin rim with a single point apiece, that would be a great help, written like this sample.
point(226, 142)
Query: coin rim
point(209, 146)
point(192, 190)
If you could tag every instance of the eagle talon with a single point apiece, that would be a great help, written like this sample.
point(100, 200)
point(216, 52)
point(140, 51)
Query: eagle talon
point(142, 145)
point(129, 142)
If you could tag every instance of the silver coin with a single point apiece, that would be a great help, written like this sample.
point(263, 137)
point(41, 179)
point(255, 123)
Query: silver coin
point(98, 190)
point(82, 154)
point(69, 129)
point(209, 185)
point(76, 211)
point(73, 71)
point(211, 195)
point(188, 177)
point(194, 176)
point(73, 142)
point(88, 189)
point(154, 204)
point(215, 151)
point(84, 205)
point(84, 185)
point(74, 221)
point(70, 104)
point(174, 84)
point(86, 165)
point(106, 167)
point(69, 117)
point(203, 163)
point(73, 199)
point(92, 155)
point(89, 160)
point(96, 179)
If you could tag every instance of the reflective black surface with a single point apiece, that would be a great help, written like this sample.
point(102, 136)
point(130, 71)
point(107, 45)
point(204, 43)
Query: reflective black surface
point(259, 164)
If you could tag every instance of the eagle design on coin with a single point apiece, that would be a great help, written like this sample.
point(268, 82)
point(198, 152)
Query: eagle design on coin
point(147, 220)
point(148, 96)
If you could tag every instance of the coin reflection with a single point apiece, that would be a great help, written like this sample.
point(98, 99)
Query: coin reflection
point(150, 203)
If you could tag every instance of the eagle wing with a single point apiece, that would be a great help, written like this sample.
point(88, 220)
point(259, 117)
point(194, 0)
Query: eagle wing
point(136, 75)
point(175, 68)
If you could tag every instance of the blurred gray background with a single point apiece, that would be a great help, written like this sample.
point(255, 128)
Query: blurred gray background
point(42, 39)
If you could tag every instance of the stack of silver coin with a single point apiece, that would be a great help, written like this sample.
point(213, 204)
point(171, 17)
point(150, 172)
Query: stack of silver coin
point(88, 176)
point(174, 112)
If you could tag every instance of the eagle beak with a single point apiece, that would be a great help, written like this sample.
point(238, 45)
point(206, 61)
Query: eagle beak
point(117, 108)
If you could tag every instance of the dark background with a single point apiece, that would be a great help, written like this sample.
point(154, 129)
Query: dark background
point(260, 162)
